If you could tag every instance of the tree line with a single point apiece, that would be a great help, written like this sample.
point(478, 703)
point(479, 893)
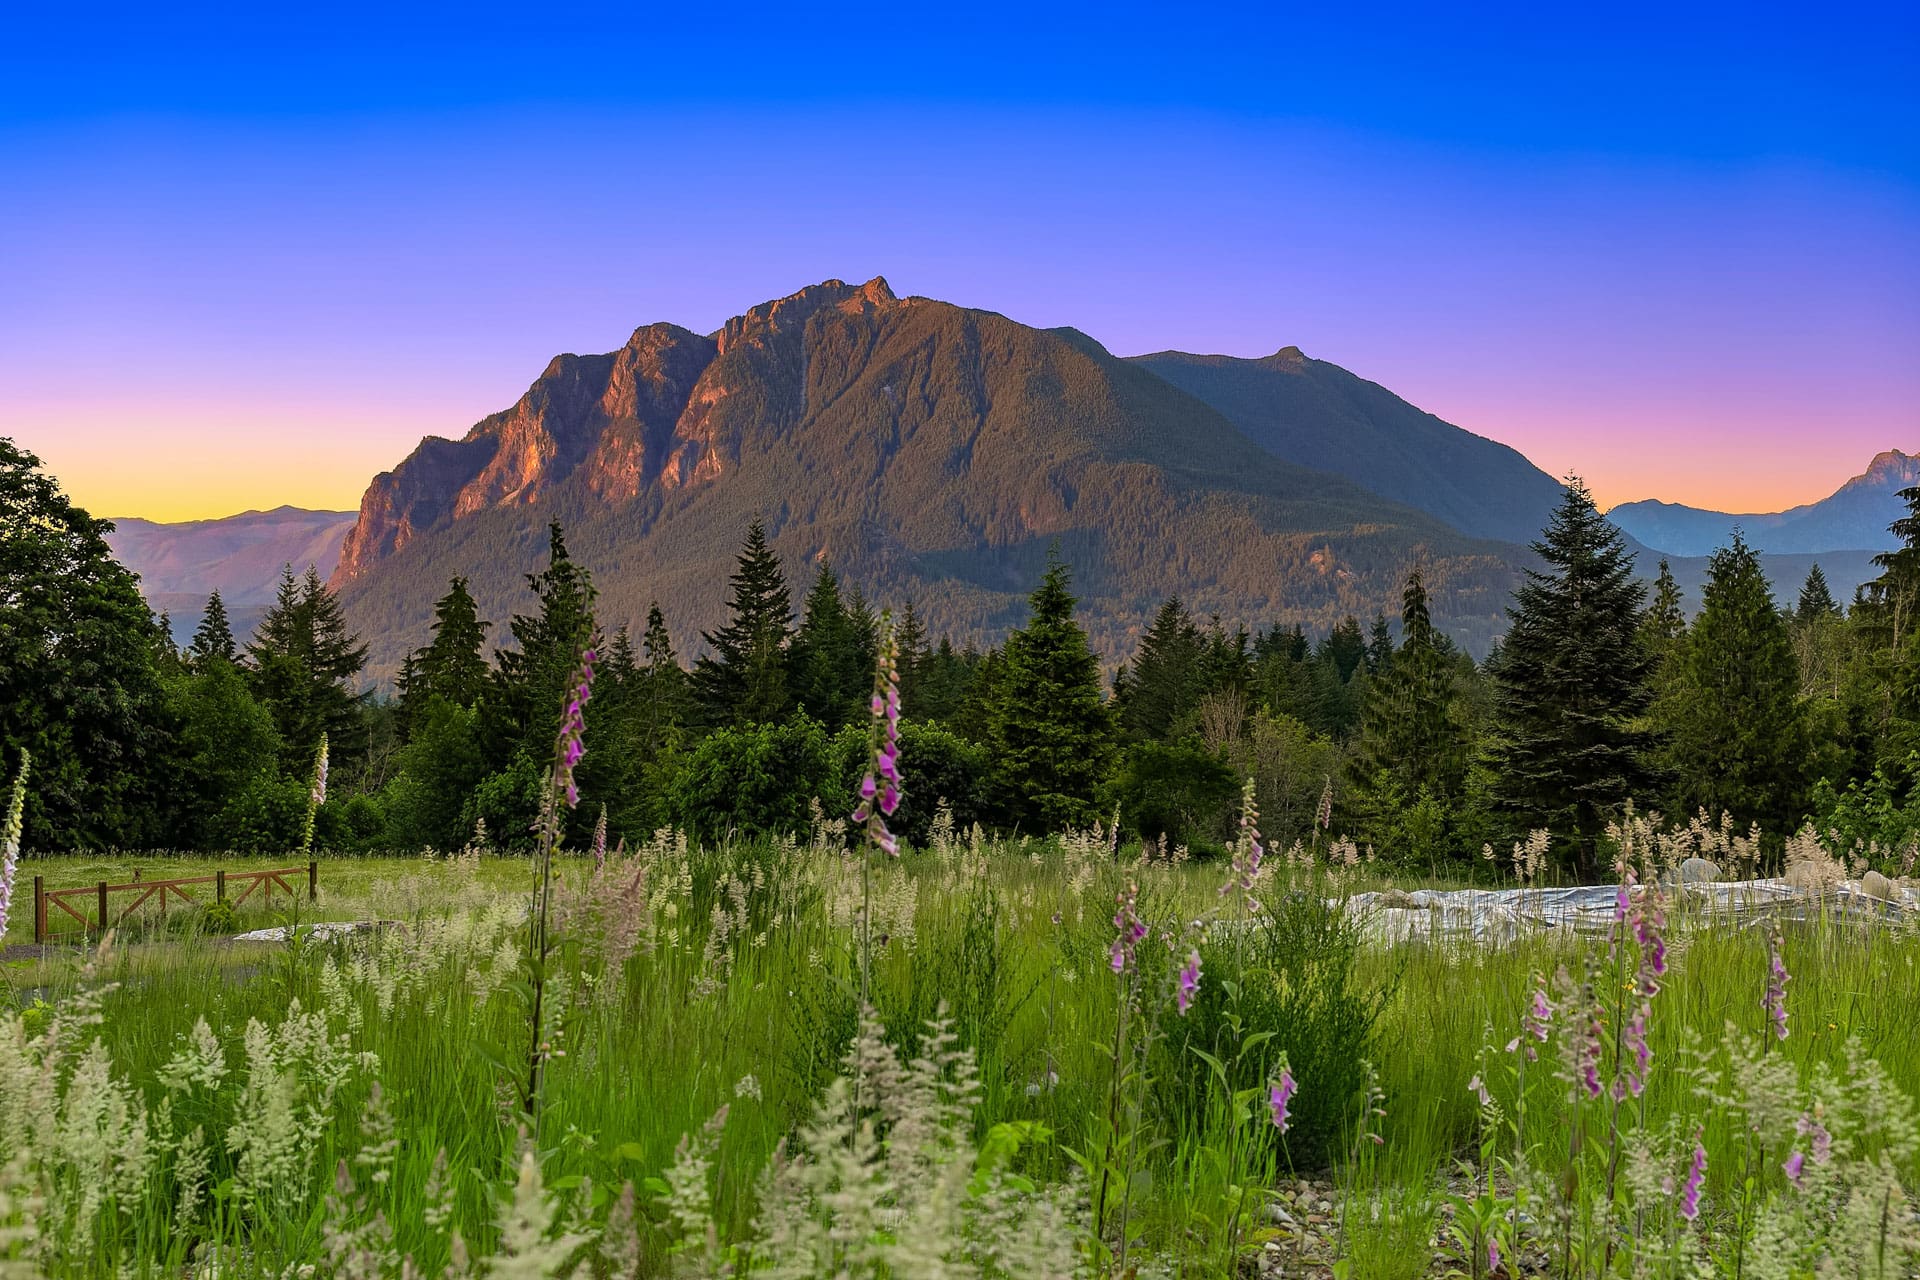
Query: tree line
point(1602, 694)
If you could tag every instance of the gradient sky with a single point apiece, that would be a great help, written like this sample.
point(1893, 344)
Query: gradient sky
point(246, 262)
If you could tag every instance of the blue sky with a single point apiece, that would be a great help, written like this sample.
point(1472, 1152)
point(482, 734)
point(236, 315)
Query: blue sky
point(1678, 252)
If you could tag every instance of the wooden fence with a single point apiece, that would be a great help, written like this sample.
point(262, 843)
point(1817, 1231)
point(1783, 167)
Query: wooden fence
point(98, 911)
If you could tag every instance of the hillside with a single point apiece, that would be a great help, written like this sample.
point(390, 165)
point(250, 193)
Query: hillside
point(240, 556)
point(926, 450)
point(1853, 518)
point(1319, 415)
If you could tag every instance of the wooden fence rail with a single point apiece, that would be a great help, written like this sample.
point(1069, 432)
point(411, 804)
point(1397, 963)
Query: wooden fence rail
point(98, 911)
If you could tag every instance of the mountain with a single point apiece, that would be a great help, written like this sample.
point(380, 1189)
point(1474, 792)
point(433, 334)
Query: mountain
point(241, 556)
point(927, 451)
point(1319, 415)
point(1854, 518)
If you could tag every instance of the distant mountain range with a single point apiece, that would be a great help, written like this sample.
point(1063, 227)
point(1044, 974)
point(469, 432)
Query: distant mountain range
point(240, 556)
point(1854, 518)
point(935, 453)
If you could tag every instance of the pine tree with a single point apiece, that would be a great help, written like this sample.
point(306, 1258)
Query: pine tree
point(213, 639)
point(911, 635)
point(1345, 648)
point(1379, 646)
point(663, 703)
point(944, 678)
point(830, 677)
point(1573, 680)
point(1049, 729)
point(1409, 739)
point(453, 664)
point(1162, 686)
point(1816, 599)
point(1737, 739)
point(529, 679)
point(304, 664)
point(744, 679)
point(1664, 622)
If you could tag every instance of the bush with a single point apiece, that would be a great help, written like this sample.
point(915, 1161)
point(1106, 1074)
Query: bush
point(757, 780)
point(935, 765)
point(1290, 971)
point(267, 816)
point(1179, 792)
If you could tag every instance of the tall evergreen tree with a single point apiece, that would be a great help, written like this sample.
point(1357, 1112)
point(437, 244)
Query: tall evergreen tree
point(1409, 738)
point(1163, 684)
point(1050, 730)
point(1345, 647)
point(911, 635)
point(663, 702)
point(1379, 646)
point(943, 680)
point(213, 638)
point(530, 678)
point(453, 664)
point(744, 679)
point(1735, 724)
point(1664, 621)
point(1816, 599)
point(830, 678)
point(304, 665)
point(1573, 682)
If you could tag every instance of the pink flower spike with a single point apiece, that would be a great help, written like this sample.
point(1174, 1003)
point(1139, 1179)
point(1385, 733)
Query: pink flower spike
point(1795, 1163)
point(1279, 1096)
point(1189, 983)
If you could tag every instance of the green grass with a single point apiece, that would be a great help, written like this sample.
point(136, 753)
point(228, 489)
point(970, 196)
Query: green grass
point(742, 992)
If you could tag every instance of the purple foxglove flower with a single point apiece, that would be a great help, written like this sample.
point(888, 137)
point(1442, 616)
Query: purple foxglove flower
point(1696, 1177)
point(1776, 999)
point(1189, 983)
point(1279, 1096)
point(1793, 1166)
point(868, 787)
point(1493, 1255)
point(889, 800)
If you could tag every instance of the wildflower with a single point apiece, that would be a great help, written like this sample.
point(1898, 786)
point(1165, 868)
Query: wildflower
point(1280, 1095)
point(1634, 1041)
point(1537, 1023)
point(1587, 1051)
point(1777, 980)
point(1493, 1255)
point(570, 746)
point(1323, 815)
point(319, 794)
point(10, 839)
point(1129, 930)
point(748, 1086)
point(1696, 1176)
point(1244, 870)
point(1189, 982)
point(1478, 1087)
point(880, 788)
point(1822, 1141)
point(1793, 1165)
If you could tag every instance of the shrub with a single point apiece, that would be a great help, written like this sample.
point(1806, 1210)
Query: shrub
point(1178, 792)
point(760, 779)
point(938, 765)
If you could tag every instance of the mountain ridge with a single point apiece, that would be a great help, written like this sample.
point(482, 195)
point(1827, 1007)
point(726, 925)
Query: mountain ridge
point(1853, 517)
point(926, 450)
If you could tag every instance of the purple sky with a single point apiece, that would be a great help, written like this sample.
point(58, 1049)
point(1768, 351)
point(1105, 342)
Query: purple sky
point(210, 306)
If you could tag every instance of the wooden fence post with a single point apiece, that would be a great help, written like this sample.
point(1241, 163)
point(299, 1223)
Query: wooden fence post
point(313, 879)
point(39, 908)
point(220, 885)
point(103, 906)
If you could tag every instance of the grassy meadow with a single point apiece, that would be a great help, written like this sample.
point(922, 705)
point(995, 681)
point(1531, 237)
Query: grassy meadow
point(711, 1100)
